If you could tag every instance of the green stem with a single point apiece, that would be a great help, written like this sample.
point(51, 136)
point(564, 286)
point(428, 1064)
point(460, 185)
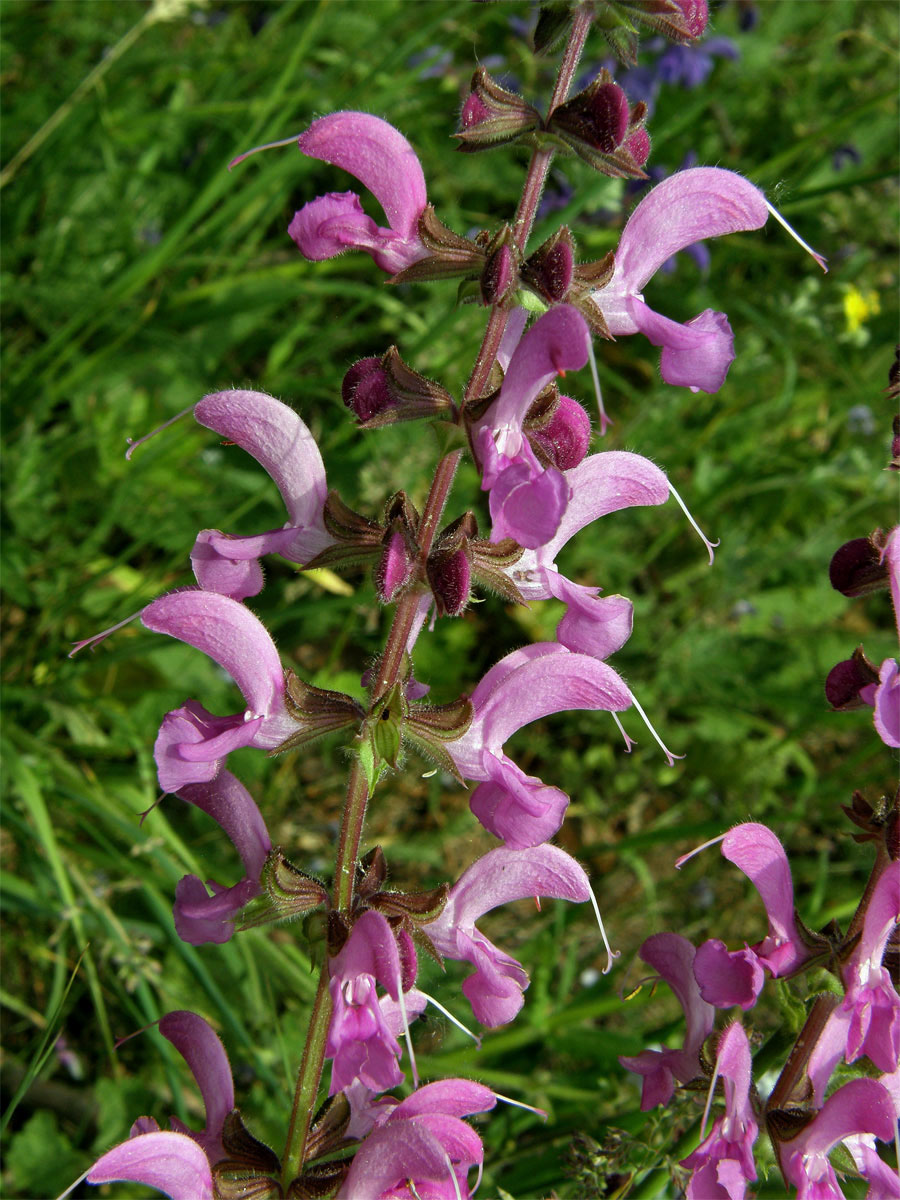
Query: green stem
point(540, 159)
point(308, 1078)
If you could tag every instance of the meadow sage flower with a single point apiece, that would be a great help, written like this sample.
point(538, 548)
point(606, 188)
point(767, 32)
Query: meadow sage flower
point(527, 500)
point(381, 158)
point(722, 1164)
point(423, 1148)
point(281, 443)
point(199, 916)
point(495, 990)
point(672, 956)
point(524, 686)
point(867, 1021)
point(193, 744)
point(727, 978)
point(178, 1163)
point(687, 207)
point(360, 1040)
point(862, 1106)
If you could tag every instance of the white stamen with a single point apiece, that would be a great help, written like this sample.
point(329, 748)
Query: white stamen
point(406, 1034)
point(450, 1017)
point(710, 546)
point(611, 955)
point(99, 637)
point(670, 757)
point(71, 1188)
point(679, 862)
point(453, 1176)
point(629, 741)
point(605, 421)
point(257, 149)
point(520, 1104)
point(797, 238)
point(133, 445)
point(478, 1180)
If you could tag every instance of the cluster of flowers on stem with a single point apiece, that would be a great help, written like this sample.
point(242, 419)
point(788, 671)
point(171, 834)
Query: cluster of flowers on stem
point(531, 445)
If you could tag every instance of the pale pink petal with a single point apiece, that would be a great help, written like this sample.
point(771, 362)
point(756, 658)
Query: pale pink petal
point(170, 1162)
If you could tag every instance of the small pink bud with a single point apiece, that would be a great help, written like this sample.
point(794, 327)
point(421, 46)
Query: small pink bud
point(694, 16)
point(395, 567)
point(565, 438)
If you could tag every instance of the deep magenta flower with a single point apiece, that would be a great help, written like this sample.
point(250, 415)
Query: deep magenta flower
point(524, 686)
point(867, 1021)
point(424, 1148)
point(199, 916)
point(193, 744)
point(381, 158)
point(281, 443)
point(862, 1106)
point(722, 1165)
point(361, 1040)
point(527, 500)
point(495, 990)
point(702, 202)
point(672, 956)
point(178, 1163)
point(728, 978)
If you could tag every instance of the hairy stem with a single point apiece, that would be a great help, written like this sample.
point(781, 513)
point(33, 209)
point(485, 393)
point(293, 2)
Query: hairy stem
point(308, 1078)
point(540, 159)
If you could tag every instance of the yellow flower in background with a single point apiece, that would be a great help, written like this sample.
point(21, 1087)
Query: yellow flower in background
point(858, 307)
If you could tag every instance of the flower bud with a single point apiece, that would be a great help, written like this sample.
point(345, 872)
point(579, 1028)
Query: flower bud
point(500, 275)
point(694, 16)
point(492, 116)
point(449, 576)
point(365, 390)
point(563, 441)
point(549, 271)
point(596, 123)
point(858, 567)
point(847, 680)
point(383, 391)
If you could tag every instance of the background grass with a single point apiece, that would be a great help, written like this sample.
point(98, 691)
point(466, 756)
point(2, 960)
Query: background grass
point(139, 274)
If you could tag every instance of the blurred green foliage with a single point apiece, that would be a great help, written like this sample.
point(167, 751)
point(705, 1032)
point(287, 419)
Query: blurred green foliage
point(139, 274)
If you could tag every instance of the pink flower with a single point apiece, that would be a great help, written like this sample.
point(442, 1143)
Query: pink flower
point(382, 159)
point(178, 1163)
point(862, 1106)
point(673, 957)
point(691, 205)
point(527, 500)
point(722, 1164)
point(867, 1021)
point(193, 744)
point(199, 916)
point(530, 683)
point(280, 442)
point(423, 1148)
point(495, 990)
point(361, 1041)
point(601, 484)
point(735, 978)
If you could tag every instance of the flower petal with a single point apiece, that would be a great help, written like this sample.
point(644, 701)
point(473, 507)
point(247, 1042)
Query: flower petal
point(695, 355)
point(199, 1045)
point(379, 156)
point(279, 441)
point(170, 1162)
